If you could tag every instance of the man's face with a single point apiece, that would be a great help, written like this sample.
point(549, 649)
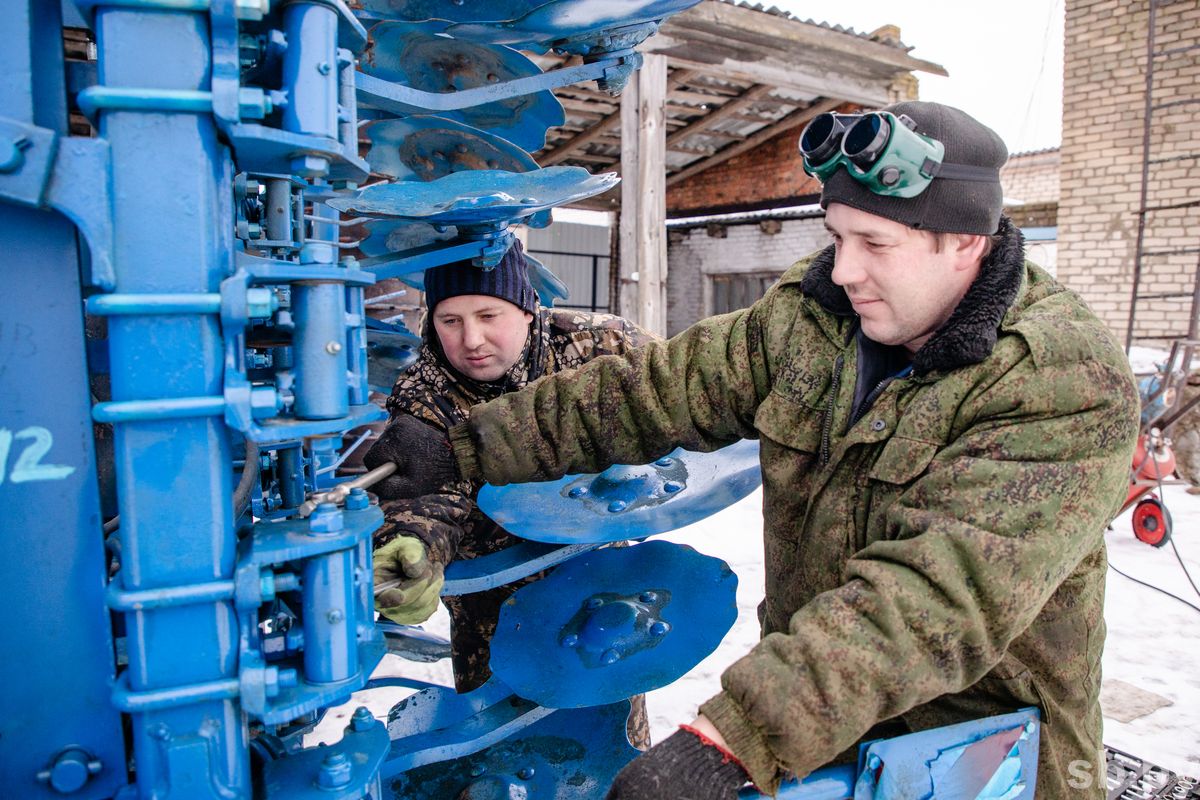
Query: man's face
point(482, 336)
point(901, 286)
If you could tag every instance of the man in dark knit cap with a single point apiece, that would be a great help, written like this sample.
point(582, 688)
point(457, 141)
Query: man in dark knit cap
point(485, 334)
point(946, 432)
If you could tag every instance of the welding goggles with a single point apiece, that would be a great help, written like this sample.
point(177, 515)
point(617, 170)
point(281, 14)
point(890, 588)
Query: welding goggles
point(880, 150)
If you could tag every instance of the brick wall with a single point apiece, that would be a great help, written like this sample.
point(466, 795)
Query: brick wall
point(770, 173)
point(1103, 105)
point(1032, 178)
point(695, 253)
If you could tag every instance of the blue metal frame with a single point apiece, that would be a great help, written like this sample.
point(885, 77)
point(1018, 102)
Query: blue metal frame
point(183, 342)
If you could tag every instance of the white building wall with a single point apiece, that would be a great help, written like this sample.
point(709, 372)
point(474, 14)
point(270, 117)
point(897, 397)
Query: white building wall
point(693, 254)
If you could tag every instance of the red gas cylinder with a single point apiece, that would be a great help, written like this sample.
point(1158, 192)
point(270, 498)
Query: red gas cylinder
point(1153, 458)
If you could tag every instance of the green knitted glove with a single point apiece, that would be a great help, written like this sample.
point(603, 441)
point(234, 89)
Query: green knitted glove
point(684, 765)
point(407, 583)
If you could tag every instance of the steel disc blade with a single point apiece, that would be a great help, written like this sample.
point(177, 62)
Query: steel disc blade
point(439, 65)
point(477, 197)
point(425, 148)
point(626, 502)
point(613, 623)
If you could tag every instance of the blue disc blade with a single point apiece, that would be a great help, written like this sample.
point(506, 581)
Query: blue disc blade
point(584, 27)
point(425, 148)
point(550, 287)
point(449, 10)
point(626, 502)
point(571, 754)
point(397, 235)
point(613, 623)
point(477, 197)
point(439, 65)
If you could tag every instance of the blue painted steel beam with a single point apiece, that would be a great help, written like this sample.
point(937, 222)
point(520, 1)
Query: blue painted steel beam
point(173, 476)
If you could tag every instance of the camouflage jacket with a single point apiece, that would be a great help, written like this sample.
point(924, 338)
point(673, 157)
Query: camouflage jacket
point(448, 522)
point(937, 557)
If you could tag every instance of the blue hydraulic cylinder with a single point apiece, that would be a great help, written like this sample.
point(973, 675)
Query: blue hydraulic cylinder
point(173, 223)
point(330, 606)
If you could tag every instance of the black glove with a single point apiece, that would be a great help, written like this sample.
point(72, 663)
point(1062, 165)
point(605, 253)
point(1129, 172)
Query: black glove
point(422, 455)
point(681, 767)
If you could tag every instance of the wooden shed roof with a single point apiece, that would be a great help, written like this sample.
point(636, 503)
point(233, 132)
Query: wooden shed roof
point(739, 75)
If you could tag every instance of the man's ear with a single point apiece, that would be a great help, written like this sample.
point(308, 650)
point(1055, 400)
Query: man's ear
point(969, 249)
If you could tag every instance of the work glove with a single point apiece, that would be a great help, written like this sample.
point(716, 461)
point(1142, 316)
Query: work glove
point(407, 583)
point(684, 765)
point(422, 455)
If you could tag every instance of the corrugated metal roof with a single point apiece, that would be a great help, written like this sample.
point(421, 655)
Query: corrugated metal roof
point(775, 11)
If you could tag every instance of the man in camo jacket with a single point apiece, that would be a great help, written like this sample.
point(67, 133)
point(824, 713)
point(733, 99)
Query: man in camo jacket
point(485, 335)
point(946, 431)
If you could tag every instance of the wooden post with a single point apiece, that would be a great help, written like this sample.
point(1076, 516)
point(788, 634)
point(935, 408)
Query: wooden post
point(643, 256)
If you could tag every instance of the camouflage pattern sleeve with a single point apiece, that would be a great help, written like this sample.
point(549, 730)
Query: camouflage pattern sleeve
point(698, 390)
point(439, 520)
point(973, 551)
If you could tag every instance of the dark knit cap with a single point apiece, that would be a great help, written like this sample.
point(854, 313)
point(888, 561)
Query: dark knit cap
point(946, 205)
point(509, 280)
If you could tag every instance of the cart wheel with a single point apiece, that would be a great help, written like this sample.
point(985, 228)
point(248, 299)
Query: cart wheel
point(1152, 522)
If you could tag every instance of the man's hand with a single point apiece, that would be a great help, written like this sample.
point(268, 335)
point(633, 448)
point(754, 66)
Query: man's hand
point(684, 765)
point(407, 583)
point(422, 455)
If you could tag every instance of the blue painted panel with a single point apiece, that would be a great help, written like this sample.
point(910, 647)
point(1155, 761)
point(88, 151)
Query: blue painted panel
point(52, 563)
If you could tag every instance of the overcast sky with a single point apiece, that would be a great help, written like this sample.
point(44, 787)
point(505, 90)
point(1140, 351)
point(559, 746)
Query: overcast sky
point(1004, 58)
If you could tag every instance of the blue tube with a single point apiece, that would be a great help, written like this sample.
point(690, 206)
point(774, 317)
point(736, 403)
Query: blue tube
point(291, 476)
point(330, 618)
point(109, 305)
point(319, 350)
point(156, 410)
point(310, 69)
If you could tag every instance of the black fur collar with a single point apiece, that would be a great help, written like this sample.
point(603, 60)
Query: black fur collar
point(970, 334)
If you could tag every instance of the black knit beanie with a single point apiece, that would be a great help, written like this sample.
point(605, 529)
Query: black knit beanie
point(509, 280)
point(946, 205)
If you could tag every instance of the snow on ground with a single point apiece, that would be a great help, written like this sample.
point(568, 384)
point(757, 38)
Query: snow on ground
point(1153, 641)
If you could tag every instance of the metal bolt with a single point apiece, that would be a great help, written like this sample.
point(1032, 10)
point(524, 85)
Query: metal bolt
point(659, 628)
point(161, 732)
point(72, 769)
point(647, 597)
point(578, 491)
point(525, 773)
point(889, 176)
point(570, 640)
point(593, 603)
point(610, 657)
point(324, 68)
point(335, 616)
point(333, 348)
point(671, 487)
point(362, 719)
point(617, 505)
point(477, 770)
point(492, 77)
point(335, 771)
point(12, 156)
point(664, 462)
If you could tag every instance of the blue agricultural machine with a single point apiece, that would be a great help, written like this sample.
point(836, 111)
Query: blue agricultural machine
point(184, 344)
